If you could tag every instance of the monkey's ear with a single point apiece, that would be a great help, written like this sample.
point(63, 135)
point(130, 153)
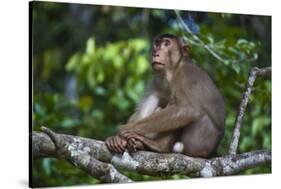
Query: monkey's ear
point(185, 47)
point(185, 50)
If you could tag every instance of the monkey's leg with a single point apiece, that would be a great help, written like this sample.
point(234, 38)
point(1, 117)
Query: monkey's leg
point(201, 138)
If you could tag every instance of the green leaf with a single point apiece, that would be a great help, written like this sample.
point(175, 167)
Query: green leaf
point(100, 76)
point(117, 62)
point(90, 46)
point(210, 39)
point(242, 41)
point(141, 64)
point(257, 126)
point(139, 44)
point(73, 62)
point(236, 68)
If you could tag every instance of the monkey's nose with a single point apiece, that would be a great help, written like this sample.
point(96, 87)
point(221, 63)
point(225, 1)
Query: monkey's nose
point(155, 55)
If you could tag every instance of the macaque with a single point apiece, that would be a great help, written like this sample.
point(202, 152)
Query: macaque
point(182, 110)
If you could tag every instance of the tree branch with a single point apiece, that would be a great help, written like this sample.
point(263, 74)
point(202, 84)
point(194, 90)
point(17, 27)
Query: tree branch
point(93, 157)
point(77, 153)
point(242, 107)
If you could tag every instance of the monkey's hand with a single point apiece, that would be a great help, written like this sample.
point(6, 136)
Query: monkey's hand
point(129, 134)
point(116, 143)
point(134, 145)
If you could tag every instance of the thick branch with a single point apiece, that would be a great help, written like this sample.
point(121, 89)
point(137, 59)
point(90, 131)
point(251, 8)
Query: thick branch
point(93, 156)
point(76, 152)
point(242, 107)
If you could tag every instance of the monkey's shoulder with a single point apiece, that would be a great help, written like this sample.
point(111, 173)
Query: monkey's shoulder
point(194, 75)
point(198, 83)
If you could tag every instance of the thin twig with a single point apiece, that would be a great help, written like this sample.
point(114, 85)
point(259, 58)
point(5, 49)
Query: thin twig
point(242, 107)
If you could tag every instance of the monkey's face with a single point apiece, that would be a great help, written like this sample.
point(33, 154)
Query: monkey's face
point(166, 53)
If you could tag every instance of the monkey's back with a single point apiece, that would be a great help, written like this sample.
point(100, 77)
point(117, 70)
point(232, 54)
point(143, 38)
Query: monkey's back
point(201, 91)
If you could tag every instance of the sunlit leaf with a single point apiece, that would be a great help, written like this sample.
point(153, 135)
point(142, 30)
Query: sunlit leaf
point(141, 64)
point(100, 76)
point(236, 67)
point(117, 62)
point(90, 46)
point(73, 62)
point(257, 126)
point(139, 44)
point(242, 41)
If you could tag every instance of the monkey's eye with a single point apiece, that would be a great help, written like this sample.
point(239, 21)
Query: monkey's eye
point(166, 43)
point(156, 43)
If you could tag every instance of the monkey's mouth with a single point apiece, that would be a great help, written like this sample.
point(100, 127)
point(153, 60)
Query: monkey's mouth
point(157, 63)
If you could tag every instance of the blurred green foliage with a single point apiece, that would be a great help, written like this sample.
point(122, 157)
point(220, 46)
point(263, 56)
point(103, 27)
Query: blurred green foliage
point(91, 64)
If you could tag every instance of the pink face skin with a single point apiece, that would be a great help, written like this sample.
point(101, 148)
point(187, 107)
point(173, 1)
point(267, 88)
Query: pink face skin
point(162, 53)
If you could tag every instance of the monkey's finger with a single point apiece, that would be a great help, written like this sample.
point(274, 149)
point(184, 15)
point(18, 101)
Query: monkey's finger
point(130, 148)
point(120, 146)
point(133, 141)
point(109, 145)
point(124, 143)
point(133, 147)
point(113, 144)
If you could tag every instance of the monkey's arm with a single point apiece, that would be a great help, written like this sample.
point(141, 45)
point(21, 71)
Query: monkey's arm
point(170, 118)
point(147, 106)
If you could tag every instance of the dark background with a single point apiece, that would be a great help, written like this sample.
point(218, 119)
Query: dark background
point(91, 64)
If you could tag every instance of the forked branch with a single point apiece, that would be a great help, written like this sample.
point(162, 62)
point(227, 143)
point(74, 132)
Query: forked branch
point(242, 107)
